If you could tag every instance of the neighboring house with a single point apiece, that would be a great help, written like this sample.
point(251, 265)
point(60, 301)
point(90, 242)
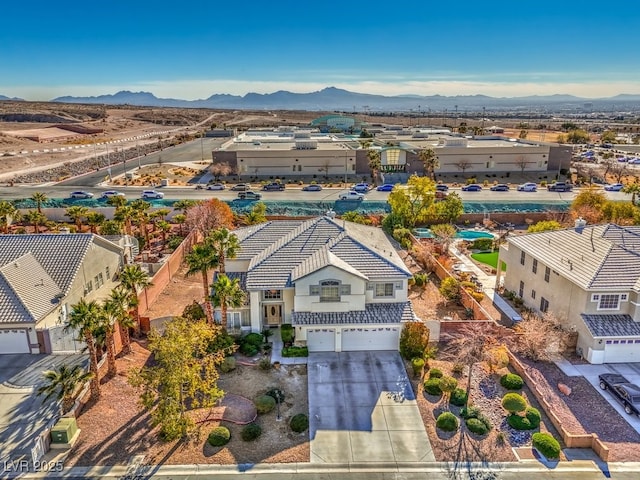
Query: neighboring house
point(589, 278)
point(41, 277)
point(342, 285)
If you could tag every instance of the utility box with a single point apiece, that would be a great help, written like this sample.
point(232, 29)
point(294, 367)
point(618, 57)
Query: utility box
point(164, 182)
point(64, 430)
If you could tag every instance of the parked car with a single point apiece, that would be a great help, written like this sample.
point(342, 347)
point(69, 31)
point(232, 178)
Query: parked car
point(351, 195)
point(387, 187)
point(111, 193)
point(625, 392)
point(500, 187)
point(314, 187)
point(152, 194)
point(474, 187)
point(249, 195)
point(80, 194)
point(361, 187)
point(241, 187)
point(527, 187)
point(216, 186)
point(273, 186)
point(614, 187)
point(559, 187)
point(441, 187)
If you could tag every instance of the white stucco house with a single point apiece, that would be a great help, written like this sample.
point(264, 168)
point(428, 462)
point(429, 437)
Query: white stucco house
point(589, 278)
point(341, 285)
point(41, 277)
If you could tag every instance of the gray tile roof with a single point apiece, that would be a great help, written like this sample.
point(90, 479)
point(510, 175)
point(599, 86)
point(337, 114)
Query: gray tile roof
point(611, 325)
point(320, 259)
point(595, 257)
point(374, 313)
point(255, 237)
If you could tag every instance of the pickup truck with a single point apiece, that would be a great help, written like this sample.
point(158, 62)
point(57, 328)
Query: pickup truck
point(559, 187)
point(274, 186)
point(625, 392)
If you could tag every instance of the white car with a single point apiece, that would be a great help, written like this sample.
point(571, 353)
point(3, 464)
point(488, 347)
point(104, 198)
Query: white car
point(351, 195)
point(111, 193)
point(216, 186)
point(614, 187)
point(152, 194)
point(81, 194)
point(528, 187)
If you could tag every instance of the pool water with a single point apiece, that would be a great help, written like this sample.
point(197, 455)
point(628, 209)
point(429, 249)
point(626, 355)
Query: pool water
point(464, 234)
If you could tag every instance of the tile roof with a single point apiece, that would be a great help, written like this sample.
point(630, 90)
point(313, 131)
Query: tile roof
point(374, 313)
point(320, 259)
point(595, 257)
point(611, 325)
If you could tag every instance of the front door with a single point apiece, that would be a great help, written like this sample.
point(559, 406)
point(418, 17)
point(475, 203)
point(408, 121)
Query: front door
point(272, 314)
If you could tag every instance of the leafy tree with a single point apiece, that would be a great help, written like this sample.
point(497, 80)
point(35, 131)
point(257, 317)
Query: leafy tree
point(226, 293)
point(450, 289)
point(621, 213)
point(430, 162)
point(414, 340)
point(577, 136)
point(568, 126)
point(39, 198)
point(257, 214)
point(194, 311)
point(523, 134)
point(633, 189)
point(209, 215)
point(544, 226)
point(608, 136)
point(111, 227)
point(86, 317)
point(449, 209)
point(413, 205)
point(133, 279)
point(77, 213)
point(63, 384)
point(180, 219)
point(355, 217)
point(588, 205)
point(8, 213)
point(184, 375)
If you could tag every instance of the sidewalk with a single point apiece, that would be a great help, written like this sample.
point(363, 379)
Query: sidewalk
point(276, 351)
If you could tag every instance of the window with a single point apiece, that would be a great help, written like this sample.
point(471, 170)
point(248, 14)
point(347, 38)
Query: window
point(544, 305)
point(107, 272)
point(99, 279)
point(534, 266)
point(88, 287)
point(547, 274)
point(533, 294)
point(522, 257)
point(609, 302)
point(521, 289)
point(329, 291)
point(384, 290)
point(272, 295)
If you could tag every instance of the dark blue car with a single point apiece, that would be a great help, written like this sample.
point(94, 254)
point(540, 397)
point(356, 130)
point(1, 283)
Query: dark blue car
point(474, 187)
point(387, 187)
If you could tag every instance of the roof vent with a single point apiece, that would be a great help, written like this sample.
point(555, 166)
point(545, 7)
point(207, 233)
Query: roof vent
point(64, 230)
point(580, 223)
point(330, 213)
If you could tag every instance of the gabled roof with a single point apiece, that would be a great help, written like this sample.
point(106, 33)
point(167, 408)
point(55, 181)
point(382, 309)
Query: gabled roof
point(284, 252)
point(374, 313)
point(594, 257)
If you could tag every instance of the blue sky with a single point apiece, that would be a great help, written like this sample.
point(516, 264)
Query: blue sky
point(195, 49)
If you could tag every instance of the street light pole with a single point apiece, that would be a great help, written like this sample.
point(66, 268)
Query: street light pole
point(202, 145)
point(345, 170)
point(108, 163)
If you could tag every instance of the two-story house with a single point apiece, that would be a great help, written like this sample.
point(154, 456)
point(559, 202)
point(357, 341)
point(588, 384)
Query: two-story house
point(341, 285)
point(41, 277)
point(589, 278)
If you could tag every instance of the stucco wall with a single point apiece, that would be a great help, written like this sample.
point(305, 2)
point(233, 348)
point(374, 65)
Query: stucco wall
point(304, 302)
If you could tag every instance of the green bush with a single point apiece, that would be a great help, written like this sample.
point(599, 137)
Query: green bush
point(518, 422)
point(299, 423)
point(276, 393)
point(248, 349)
point(414, 340)
point(470, 412)
point(457, 369)
point(447, 421)
point(251, 432)
point(228, 364)
point(435, 373)
point(533, 415)
point(287, 333)
point(546, 445)
point(514, 403)
point(432, 386)
point(222, 342)
point(476, 426)
point(255, 339)
point(458, 397)
point(511, 381)
point(417, 364)
point(294, 351)
point(265, 364)
point(219, 436)
point(265, 403)
point(482, 244)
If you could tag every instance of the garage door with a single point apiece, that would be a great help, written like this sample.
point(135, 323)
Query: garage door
point(321, 339)
point(370, 338)
point(14, 341)
point(622, 351)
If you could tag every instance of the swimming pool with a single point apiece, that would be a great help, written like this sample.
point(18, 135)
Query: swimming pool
point(469, 234)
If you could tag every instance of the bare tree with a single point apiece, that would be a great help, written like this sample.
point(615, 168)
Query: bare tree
point(221, 170)
point(326, 165)
point(540, 336)
point(463, 165)
point(522, 162)
point(618, 169)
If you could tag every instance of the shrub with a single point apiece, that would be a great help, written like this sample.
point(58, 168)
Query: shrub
point(255, 339)
point(265, 403)
point(514, 403)
point(299, 423)
point(450, 289)
point(228, 364)
point(194, 311)
point(533, 415)
point(458, 397)
point(517, 422)
point(276, 393)
point(219, 436)
point(432, 386)
point(251, 432)
point(511, 381)
point(417, 364)
point(248, 349)
point(294, 351)
point(222, 342)
point(435, 373)
point(482, 244)
point(546, 445)
point(470, 412)
point(287, 333)
point(414, 340)
point(457, 369)
point(264, 364)
point(476, 426)
point(447, 421)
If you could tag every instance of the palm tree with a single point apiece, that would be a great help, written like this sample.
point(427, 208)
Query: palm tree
point(225, 245)
point(36, 219)
point(164, 228)
point(226, 293)
point(201, 259)
point(132, 279)
point(183, 205)
point(63, 383)
point(95, 220)
point(430, 161)
point(180, 219)
point(76, 213)
point(374, 163)
point(117, 201)
point(124, 214)
point(8, 213)
point(633, 189)
point(117, 308)
point(141, 216)
point(86, 317)
point(39, 198)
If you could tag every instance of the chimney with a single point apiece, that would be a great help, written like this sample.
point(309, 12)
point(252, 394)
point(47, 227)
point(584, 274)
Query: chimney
point(580, 224)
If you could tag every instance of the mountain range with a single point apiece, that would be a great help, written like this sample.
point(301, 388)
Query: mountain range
point(335, 99)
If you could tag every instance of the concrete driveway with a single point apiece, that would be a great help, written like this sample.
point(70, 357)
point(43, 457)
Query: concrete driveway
point(631, 372)
point(362, 410)
point(23, 415)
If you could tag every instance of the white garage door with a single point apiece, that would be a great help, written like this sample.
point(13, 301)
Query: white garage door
point(321, 339)
point(14, 341)
point(622, 351)
point(370, 338)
